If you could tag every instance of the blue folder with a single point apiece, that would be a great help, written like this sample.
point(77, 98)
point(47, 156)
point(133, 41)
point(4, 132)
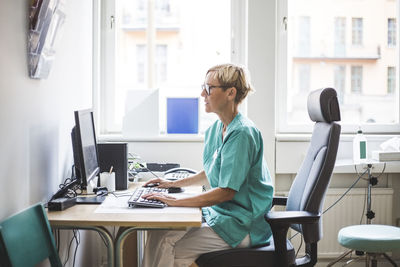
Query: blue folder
point(182, 115)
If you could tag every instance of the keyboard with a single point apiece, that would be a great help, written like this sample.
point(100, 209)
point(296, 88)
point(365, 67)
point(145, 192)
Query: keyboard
point(136, 199)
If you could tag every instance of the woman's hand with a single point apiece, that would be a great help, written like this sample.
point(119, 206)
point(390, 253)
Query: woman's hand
point(163, 183)
point(167, 199)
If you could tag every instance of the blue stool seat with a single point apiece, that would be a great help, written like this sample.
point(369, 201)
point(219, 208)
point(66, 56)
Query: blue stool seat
point(372, 238)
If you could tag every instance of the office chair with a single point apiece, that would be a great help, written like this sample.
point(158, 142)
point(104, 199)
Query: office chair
point(26, 239)
point(373, 239)
point(305, 199)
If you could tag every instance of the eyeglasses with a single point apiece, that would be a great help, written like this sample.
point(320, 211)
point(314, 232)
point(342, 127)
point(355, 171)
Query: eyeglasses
point(208, 87)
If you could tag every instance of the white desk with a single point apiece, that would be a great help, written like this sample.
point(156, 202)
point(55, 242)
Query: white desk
point(86, 217)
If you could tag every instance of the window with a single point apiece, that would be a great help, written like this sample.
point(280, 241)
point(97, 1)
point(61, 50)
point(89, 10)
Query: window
point(340, 36)
point(391, 32)
point(140, 59)
point(356, 79)
point(391, 80)
point(304, 36)
point(357, 31)
point(167, 46)
point(346, 51)
point(340, 82)
point(161, 63)
point(304, 78)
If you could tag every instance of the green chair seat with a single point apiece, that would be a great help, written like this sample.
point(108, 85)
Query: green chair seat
point(373, 238)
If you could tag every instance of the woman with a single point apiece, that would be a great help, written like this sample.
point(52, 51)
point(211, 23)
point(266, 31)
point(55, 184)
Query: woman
point(241, 190)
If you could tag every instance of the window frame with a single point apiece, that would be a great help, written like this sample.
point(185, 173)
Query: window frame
point(392, 32)
point(391, 79)
point(103, 62)
point(282, 127)
point(357, 31)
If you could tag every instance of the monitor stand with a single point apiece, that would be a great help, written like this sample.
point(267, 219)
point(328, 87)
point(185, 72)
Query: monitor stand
point(90, 200)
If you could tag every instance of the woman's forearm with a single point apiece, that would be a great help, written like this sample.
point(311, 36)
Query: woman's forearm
point(209, 198)
point(197, 179)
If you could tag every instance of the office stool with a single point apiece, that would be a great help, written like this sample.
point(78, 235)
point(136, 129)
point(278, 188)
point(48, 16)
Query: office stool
point(373, 239)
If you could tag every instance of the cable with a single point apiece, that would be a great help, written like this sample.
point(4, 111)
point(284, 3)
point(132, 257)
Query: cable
point(104, 241)
point(69, 248)
point(301, 243)
point(345, 193)
point(120, 195)
point(141, 165)
point(77, 236)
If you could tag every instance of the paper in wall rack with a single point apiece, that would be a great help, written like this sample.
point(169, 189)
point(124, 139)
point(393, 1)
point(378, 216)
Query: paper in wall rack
point(45, 20)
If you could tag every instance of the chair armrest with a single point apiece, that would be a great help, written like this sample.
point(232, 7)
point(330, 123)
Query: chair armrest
point(291, 217)
point(280, 222)
point(281, 201)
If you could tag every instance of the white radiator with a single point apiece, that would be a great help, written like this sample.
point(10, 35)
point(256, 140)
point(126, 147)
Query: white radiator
point(349, 211)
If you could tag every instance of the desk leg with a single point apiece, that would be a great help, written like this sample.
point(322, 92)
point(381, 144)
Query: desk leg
point(102, 231)
point(140, 246)
point(119, 242)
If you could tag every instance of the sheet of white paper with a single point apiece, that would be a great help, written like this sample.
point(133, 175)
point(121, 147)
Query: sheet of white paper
point(114, 204)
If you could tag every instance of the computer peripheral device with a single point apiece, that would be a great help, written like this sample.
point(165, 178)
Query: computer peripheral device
point(98, 189)
point(65, 189)
point(173, 190)
point(102, 192)
point(151, 185)
point(84, 146)
point(115, 154)
point(61, 203)
point(90, 200)
point(86, 163)
point(161, 167)
point(136, 200)
point(178, 173)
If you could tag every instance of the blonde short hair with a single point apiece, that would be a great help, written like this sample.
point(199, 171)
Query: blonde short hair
point(231, 75)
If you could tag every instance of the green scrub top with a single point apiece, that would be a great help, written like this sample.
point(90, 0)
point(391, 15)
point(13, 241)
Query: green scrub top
point(237, 162)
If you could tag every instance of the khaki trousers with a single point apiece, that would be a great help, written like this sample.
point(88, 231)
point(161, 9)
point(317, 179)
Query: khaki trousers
point(167, 248)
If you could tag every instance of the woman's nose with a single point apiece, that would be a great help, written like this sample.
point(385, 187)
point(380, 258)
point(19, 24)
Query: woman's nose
point(203, 93)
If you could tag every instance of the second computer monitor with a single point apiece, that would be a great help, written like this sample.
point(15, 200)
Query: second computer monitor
point(85, 147)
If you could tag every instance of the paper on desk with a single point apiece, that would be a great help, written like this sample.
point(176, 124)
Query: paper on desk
point(393, 144)
point(114, 204)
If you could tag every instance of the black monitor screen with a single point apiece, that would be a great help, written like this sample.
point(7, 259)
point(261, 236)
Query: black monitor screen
point(85, 147)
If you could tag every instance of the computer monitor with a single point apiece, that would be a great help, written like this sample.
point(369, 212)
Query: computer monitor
point(86, 161)
point(84, 146)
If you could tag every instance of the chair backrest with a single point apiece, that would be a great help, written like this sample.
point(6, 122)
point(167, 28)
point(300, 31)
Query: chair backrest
point(26, 239)
point(309, 187)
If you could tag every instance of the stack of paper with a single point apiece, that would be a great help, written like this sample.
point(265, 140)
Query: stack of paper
point(386, 155)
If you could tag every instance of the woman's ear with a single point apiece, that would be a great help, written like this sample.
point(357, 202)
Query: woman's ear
point(232, 92)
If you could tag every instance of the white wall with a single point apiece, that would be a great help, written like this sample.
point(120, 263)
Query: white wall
point(36, 116)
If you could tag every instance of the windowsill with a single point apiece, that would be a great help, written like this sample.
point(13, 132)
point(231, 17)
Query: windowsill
point(343, 137)
point(159, 138)
point(288, 162)
point(200, 138)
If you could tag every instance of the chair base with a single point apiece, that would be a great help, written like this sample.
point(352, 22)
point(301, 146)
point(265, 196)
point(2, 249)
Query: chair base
point(370, 258)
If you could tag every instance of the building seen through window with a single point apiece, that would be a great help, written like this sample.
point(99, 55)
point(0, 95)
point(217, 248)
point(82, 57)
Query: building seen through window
point(166, 45)
point(357, 31)
point(350, 46)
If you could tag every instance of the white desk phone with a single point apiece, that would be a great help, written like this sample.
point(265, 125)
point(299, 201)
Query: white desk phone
point(178, 173)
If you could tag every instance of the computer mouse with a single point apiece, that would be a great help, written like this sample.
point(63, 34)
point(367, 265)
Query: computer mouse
point(173, 190)
point(151, 185)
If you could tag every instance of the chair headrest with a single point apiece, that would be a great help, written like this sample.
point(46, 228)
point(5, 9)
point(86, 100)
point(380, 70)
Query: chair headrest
point(323, 105)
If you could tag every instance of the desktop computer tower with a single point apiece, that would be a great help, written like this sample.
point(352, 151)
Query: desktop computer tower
point(116, 155)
